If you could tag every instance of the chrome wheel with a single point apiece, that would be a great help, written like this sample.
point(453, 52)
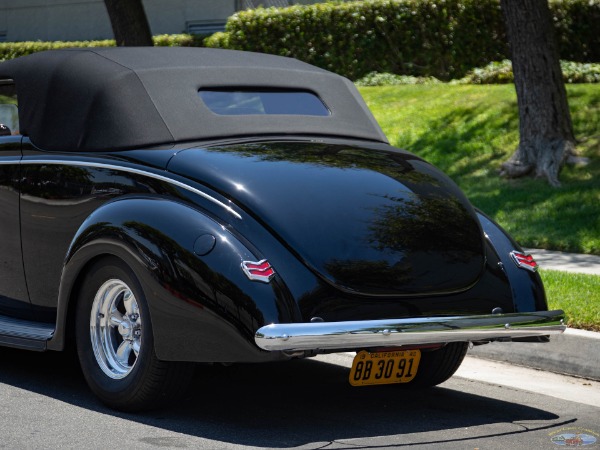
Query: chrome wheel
point(115, 342)
point(115, 329)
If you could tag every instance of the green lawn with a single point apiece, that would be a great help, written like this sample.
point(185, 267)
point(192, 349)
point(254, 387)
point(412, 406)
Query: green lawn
point(468, 131)
point(576, 294)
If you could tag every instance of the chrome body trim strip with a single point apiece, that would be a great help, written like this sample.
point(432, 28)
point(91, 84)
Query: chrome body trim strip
point(137, 172)
point(414, 331)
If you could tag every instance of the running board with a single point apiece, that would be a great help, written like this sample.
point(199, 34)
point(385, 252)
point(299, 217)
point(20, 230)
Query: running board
point(25, 334)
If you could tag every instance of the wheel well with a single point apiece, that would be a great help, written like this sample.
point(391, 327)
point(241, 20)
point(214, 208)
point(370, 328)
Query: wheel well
point(74, 295)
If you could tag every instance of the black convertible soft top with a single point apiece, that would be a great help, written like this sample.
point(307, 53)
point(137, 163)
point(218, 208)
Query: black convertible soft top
point(118, 98)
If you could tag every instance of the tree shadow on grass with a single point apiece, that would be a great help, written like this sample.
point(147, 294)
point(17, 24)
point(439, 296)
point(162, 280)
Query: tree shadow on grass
point(461, 142)
point(469, 145)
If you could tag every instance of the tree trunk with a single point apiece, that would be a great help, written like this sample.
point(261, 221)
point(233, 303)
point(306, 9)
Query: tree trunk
point(129, 22)
point(546, 132)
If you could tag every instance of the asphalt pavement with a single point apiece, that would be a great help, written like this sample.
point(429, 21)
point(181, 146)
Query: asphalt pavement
point(575, 352)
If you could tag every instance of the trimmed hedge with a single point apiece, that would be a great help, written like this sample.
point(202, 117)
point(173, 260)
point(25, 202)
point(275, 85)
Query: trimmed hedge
point(391, 79)
point(415, 37)
point(499, 72)
point(439, 38)
point(10, 50)
point(422, 38)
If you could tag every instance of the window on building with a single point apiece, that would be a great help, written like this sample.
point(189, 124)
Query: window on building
point(204, 26)
point(251, 4)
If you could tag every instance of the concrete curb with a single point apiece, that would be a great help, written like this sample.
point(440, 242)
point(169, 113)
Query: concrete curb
point(575, 352)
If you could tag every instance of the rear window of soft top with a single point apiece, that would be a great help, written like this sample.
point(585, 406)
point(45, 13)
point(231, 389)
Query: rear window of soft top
point(262, 102)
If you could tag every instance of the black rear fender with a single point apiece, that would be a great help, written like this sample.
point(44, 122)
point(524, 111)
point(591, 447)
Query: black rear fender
point(526, 286)
point(202, 305)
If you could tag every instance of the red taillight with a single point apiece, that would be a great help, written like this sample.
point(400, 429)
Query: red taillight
point(258, 271)
point(524, 261)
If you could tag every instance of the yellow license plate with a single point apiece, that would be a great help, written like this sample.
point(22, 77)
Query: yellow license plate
point(384, 367)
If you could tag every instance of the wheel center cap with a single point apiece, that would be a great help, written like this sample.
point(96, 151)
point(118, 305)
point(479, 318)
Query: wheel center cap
point(125, 329)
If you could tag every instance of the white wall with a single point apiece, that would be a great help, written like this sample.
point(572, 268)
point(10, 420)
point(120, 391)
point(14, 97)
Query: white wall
point(171, 17)
point(70, 20)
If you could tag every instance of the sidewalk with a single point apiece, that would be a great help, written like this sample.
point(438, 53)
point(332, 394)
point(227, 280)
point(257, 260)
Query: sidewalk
point(567, 262)
point(575, 352)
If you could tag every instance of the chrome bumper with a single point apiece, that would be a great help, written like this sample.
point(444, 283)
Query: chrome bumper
point(414, 331)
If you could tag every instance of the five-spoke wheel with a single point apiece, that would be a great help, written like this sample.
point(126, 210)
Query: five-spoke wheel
point(115, 341)
point(116, 328)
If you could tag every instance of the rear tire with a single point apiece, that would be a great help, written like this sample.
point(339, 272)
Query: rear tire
point(115, 342)
point(437, 366)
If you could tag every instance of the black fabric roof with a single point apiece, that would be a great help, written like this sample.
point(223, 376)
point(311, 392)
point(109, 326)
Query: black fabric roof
point(117, 98)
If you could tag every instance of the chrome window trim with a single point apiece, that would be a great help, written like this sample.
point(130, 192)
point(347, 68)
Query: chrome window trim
point(129, 170)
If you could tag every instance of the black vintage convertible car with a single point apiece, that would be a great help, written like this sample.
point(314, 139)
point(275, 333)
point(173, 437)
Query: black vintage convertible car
point(167, 206)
